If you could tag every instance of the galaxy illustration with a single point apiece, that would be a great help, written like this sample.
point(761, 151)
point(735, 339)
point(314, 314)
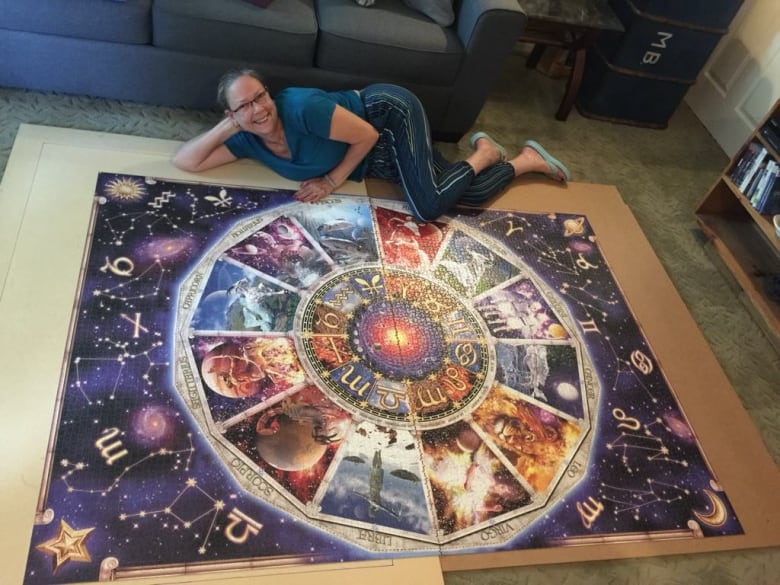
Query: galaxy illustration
point(252, 378)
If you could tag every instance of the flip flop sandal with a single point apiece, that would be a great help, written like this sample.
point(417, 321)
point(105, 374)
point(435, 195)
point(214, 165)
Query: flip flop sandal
point(477, 135)
point(555, 165)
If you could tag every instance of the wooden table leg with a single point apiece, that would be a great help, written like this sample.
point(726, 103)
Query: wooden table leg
point(535, 55)
point(578, 50)
point(576, 41)
point(572, 85)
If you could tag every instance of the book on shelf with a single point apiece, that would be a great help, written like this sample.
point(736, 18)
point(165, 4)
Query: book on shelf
point(758, 181)
point(748, 165)
point(764, 192)
point(755, 191)
point(772, 136)
point(739, 169)
point(771, 131)
point(771, 204)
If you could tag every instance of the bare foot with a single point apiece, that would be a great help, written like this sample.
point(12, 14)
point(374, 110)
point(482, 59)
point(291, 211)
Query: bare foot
point(489, 148)
point(486, 155)
point(530, 161)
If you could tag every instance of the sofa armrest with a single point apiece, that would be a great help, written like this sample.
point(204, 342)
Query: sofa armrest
point(471, 12)
point(489, 30)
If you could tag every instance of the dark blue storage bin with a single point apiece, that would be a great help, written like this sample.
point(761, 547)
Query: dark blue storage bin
point(650, 45)
point(713, 14)
point(620, 95)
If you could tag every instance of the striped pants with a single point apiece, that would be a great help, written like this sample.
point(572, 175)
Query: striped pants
point(404, 155)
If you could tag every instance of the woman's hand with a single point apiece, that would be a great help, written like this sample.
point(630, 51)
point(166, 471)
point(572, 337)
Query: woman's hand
point(313, 190)
point(361, 137)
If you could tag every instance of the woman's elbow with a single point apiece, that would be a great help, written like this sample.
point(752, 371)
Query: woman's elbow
point(372, 137)
point(179, 161)
point(184, 163)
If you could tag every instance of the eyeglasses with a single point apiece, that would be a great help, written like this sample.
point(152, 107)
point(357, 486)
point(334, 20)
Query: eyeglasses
point(259, 98)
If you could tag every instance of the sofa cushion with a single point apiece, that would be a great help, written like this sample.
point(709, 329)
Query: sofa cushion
point(98, 20)
point(283, 33)
point(387, 41)
point(439, 11)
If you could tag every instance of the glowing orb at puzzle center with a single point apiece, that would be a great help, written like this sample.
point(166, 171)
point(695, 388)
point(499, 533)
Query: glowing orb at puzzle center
point(398, 340)
point(395, 347)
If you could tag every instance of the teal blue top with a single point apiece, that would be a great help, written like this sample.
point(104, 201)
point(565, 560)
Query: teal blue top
point(306, 115)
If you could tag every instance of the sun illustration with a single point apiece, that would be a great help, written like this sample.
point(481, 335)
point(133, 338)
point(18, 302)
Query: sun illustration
point(125, 189)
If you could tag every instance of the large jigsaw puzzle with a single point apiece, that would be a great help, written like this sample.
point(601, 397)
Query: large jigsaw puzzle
point(251, 380)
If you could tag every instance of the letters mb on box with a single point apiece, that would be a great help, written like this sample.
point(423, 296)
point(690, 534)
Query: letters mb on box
point(651, 57)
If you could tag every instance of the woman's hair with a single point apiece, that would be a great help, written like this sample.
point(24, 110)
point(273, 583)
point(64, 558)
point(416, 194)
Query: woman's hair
point(228, 79)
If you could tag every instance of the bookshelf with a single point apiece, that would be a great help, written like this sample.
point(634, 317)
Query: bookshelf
point(741, 235)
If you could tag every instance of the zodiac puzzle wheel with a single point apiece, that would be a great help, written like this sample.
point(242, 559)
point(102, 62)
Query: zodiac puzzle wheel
point(400, 385)
point(253, 381)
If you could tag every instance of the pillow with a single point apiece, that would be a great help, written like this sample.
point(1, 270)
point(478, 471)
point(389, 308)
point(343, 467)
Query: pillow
point(260, 3)
point(439, 11)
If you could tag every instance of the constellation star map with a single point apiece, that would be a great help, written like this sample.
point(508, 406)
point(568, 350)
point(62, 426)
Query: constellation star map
point(248, 377)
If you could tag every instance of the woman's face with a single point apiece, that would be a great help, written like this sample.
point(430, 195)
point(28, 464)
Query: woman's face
point(251, 105)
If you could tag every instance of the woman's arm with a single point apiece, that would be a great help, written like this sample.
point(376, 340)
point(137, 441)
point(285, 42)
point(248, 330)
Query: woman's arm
point(207, 150)
point(361, 137)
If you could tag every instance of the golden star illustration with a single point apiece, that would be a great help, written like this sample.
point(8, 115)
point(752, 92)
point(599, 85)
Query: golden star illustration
point(68, 545)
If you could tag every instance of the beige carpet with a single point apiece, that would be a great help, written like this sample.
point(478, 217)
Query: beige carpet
point(661, 174)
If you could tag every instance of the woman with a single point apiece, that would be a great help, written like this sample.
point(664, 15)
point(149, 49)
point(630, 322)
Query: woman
point(325, 138)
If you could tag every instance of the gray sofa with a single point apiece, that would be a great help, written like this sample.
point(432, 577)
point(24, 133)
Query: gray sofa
point(172, 52)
